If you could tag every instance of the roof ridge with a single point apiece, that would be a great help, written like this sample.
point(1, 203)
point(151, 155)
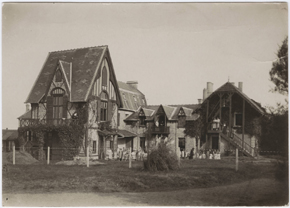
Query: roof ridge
point(77, 48)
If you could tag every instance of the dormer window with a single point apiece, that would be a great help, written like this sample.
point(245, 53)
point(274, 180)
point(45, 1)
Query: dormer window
point(58, 76)
point(125, 101)
point(181, 119)
point(135, 102)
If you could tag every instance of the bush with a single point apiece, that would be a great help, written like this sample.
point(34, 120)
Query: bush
point(161, 158)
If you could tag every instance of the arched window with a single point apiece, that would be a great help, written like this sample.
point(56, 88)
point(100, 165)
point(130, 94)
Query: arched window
point(104, 78)
point(57, 95)
point(58, 76)
point(104, 106)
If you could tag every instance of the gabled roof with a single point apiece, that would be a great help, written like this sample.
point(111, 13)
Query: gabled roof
point(129, 95)
point(66, 67)
point(229, 87)
point(171, 112)
point(84, 62)
point(25, 115)
point(8, 134)
point(124, 133)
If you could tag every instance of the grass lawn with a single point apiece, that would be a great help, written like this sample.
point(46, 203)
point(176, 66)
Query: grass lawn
point(115, 176)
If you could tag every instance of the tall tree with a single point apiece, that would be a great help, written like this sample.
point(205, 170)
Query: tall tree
point(279, 71)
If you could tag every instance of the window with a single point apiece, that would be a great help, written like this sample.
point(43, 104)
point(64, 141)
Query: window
point(104, 109)
point(58, 76)
point(181, 143)
point(181, 119)
point(142, 121)
point(94, 146)
point(238, 119)
point(104, 78)
point(125, 101)
point(135, 102)
point(104, 106)
point(58, 103)
point(34, 111)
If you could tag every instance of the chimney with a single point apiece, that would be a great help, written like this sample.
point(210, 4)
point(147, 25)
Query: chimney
point(204, 94)
point(27, 107)
point(241, 86)
point(133, 84)
point(199, 101)
point(209, 88)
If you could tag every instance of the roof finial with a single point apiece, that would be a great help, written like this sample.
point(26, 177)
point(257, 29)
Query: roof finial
point(228, 78)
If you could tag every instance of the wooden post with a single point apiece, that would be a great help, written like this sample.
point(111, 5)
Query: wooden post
point(48, 155)
point(13, 154)
point(220, 107)
point(130, 161)
point(230, 115)
point(237, 159)
point(88, 158)
point(243, 125)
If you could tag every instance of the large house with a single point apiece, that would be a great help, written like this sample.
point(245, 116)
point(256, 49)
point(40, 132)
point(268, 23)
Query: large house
point(227, 112)
point(79, 87)
point(132, 99)
point(230, 117)
point(153, 124)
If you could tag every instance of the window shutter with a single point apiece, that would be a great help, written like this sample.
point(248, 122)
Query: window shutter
point(65, 100)
point(49, 110)
point(110, 108)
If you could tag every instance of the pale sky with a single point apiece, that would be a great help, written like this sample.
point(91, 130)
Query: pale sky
point(171, 49)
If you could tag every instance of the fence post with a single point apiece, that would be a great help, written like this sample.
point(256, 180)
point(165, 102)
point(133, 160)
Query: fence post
point(88, 158)
point(237, 159)
point(130, 158)
point(13, 154)
point(48, 155)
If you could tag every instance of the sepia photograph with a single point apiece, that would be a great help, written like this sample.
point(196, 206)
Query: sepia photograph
point(144, 104)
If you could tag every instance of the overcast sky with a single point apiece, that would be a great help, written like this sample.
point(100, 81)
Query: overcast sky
point(171, 49)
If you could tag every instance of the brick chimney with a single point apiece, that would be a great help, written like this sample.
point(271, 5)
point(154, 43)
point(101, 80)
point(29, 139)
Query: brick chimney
point(209, 88)
point(204, 94)
point(241, 86)
point(133, 84)
point(27, 107)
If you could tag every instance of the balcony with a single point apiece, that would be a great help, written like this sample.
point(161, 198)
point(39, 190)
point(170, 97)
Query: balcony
point(56, 122)
point(160, 130)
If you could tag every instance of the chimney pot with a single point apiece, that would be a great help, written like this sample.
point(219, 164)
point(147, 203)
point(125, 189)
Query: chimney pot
point(199, 101)
point(241, 86)
point(209, 88)
point(27, 107)
point(204, 94)
point(133, 84)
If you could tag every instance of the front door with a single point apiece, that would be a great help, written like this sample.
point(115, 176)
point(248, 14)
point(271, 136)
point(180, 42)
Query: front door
point(215, 142)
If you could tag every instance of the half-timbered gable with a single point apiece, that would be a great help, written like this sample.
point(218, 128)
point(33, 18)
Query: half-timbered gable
point(77, 79)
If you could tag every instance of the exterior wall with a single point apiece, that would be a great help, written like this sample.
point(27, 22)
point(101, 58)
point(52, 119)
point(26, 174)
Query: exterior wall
point(123, 115)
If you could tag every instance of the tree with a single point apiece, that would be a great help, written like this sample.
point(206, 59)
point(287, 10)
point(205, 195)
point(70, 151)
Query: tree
point(279, 71)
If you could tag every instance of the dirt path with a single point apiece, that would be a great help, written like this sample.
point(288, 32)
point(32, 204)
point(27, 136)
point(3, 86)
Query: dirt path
point(258, 192)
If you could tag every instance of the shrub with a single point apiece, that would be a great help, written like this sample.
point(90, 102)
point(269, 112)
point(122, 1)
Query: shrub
point(161, 158)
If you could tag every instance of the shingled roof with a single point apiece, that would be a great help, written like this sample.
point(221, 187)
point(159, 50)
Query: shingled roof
point(80, 67)
point(129, 94)
point(229, 87)
point(9, 134)
point(171, 111)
